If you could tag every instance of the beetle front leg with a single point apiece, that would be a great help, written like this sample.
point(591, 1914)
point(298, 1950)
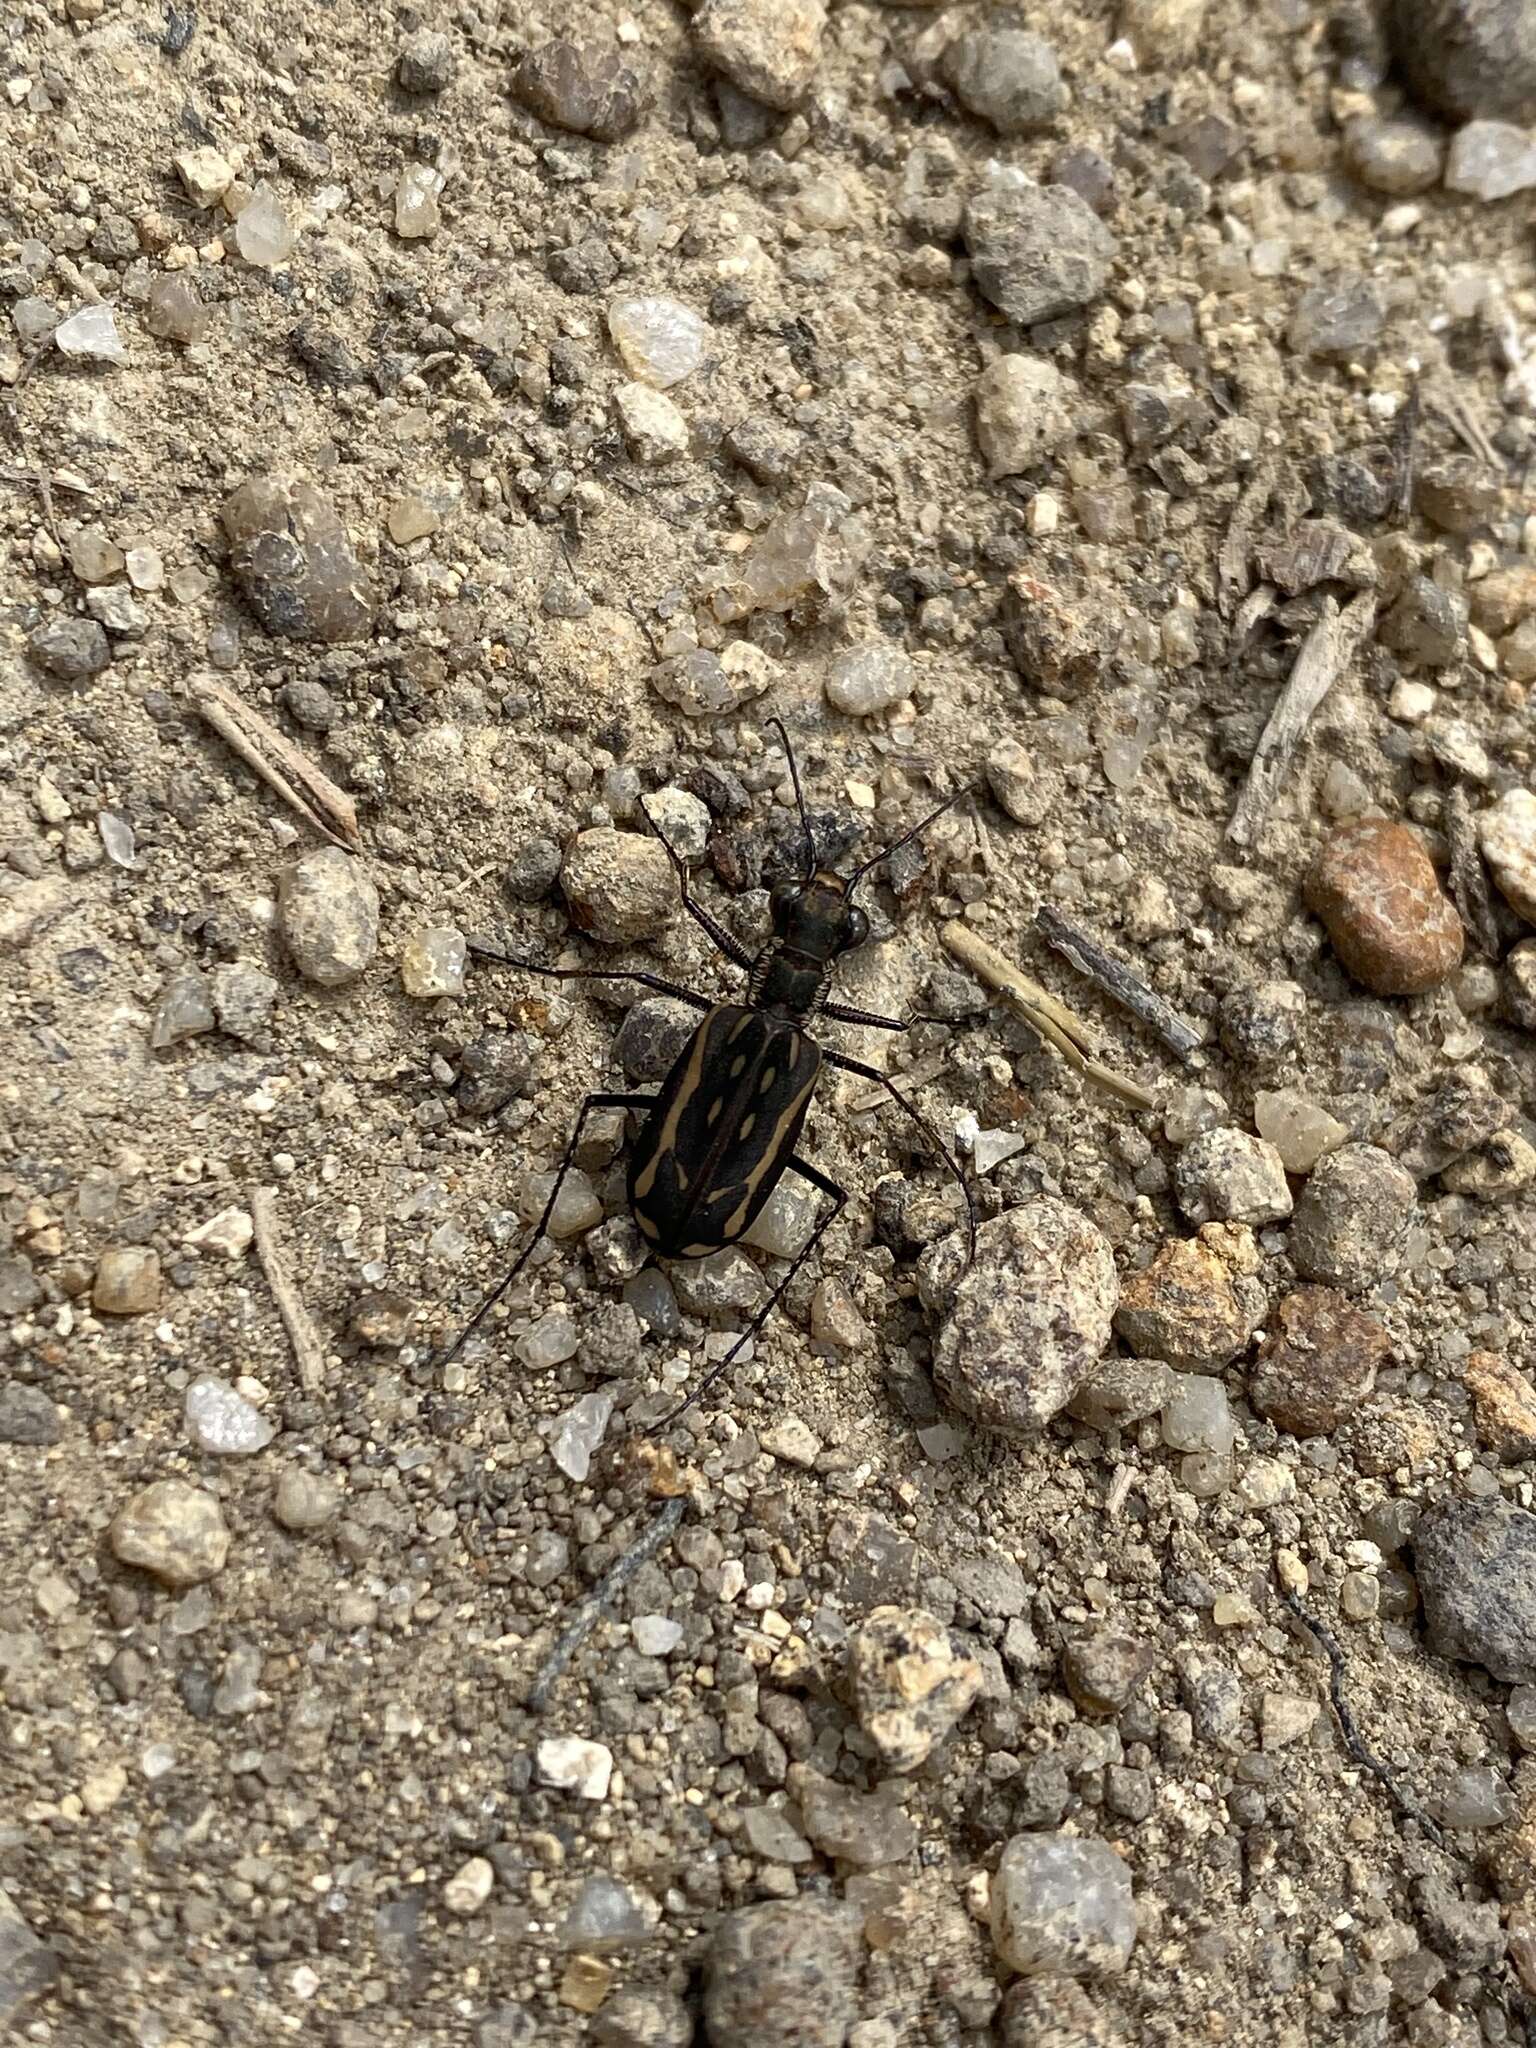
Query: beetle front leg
point(599, 1101)
point(868, 1073)
point(839, 1197)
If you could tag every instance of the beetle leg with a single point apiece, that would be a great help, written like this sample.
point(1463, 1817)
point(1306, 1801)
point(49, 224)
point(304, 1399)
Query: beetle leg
point(727, 942)
point(599, 1101)
point(839, 1197)
point(486, 949)
point(868, 1073)
point(843, 1013)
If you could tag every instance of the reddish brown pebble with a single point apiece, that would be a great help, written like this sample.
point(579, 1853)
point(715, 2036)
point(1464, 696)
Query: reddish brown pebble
point(1318, 1363)
point(1374, 886)
point(1197, 1304)
point(1504, 1403)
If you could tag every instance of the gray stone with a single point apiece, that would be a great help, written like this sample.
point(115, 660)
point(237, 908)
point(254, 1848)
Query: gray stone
point(781, 1973)
point(1490, 160)
point(1475, 1562)
point(588, 90)
point(27, 1415)
point(1228, 1176)
point(768, 49)
point(1006, 75)
point(294, 561)
point(1468, 58)
point(70, 649)
point(329, 909)
point(27, 1966)
point(1336, 319)
point(1036, 250)
point(1021, 413)
point(1398, 156)
point(425, 63)
point(1352, 1218)
point(1062, 1905)
point(619, 886)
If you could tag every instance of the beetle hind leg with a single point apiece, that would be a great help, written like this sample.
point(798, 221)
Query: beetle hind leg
point(593, 1102)
point(839, 1197)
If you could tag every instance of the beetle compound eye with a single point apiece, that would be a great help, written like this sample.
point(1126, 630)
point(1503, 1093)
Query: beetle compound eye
point(855, 927)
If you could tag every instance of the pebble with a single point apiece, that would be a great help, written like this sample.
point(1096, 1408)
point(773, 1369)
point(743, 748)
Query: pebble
point(682, 820)
point(1396, 155)
point(264, 235)
point(242, 1000)
point(1337, 319)
point(655, 1635)
point(432, 963)
point(1427, 625)
point(1475, 1562)
point(632, 2019)
point(206, 175)
point(382, 1321)
point(417, 213)
point(785, 1972)
point(1228, 1176)
point(1299, 1130)
point(1507, 835)
point(1260, 1021)
point(1517, 986)
point(571, 1764)
point(1029, 1318)
point(293, 559)
point(1374, 886)
point(1017, 784)
point(1520, 1708)
point(91, 335)
point(585, 89)
point(1318, 1363)
point(222, 1422)
point(868, 1830)
point(1197, 1416)
point(1104, 1668)
point(70, 649)
point(425, 63)
point(127, 1281)
point(1285, 1718)
point(229, 1232)
point(174, 311)
point(1467, 57)
point(185, 1009)
point(1022, 413)
point(768, 49)
point(1121, 1391)
point(1036, 251)
point(652, 1035)
point(579, 1431)
point(1062, 1905)
point(660, 341)
point(469, 1887)
point(305, 1500)
point(172, 1530)
point(1352, 1218)
point(1005, 75)
point(809, 557)
point(1488, 160)
point(1161, 31)
point(654, 429)
point(618, 886)
point(1197, 1303)
point(27, 1415)
point(1506, 1165)
point(328, 908)
point(1504, 1403)
point(773, 1836)
point(726, 1283)
point(608, 1917)
point(911, 1683)
point(873, 677)
point(702, 684)
point(1475, 1796)
point(28, 1966)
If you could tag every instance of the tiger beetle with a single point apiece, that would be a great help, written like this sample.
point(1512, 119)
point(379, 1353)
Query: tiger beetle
point(721, 1133)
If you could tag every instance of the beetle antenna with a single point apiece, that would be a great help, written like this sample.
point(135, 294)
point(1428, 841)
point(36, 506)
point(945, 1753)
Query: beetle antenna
point(906, 838)
point(794, 776)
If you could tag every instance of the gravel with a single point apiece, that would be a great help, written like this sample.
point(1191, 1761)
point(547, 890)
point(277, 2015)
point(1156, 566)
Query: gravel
point(1475, 1563)
point(1060, 1904)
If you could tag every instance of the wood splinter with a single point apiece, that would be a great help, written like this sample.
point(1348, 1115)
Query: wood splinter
point(279, 763)
point(308, 1351)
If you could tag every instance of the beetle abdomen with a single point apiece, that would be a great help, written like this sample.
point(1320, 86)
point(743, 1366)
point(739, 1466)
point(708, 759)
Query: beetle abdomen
point(722, 1130)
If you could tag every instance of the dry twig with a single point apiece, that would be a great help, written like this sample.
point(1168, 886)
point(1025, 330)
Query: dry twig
point(303, 1336)
point(277, 761)
point(1233, 558)
point(591, 1610)
point(1117, 980)
point(1325, 654)
point(1056, 1024)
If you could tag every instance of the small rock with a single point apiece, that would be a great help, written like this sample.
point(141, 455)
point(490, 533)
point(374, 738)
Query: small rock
point(28, 1967)
point(768, 49)
point(1490, 160)
point(703, 685)
point(432, 963)
point(1197, 1304)
point(174, 311)
point(1104, 1669)
point(1197, 1416)
point(618, 886)
point(1506, 1165)
point(1505, 599)
point(229, 1232)
point(1475, 1562)
point(185, 1009)
point(655, 1635)
point(1318, 1363)
point(91, 335)
point(175, 1531)
point(329, 910)
point(1467, 58)
point(1374, 886)
point(866, 1829)
point(911, 1684)
point(382, 1321)
point(1121, 1391)
point(1427, 626)
point(1162, 32)
point(654, 429)
point(868, 679)
point(587, 90)
point(1507, 835)
point(807, 561)
point(1227, 1176)
point(71, 649)
point(127, 1281)
point(1475, 1796)
point(608, 1917)
point(1398, 156)
point(1028, 1319)
point(1285, 1718)
point(1337, 319)
point(205, 174)
point(660, 341)
point(1062, 1905)
point(1352, 1218)
point(1456, 493)
point(577, 1433)
point(1504, 1403)
point(784, 1972)
point(1036, 251)
point(305, 1500)
point(1022, 413)
point(293, 560)
point(571, 1764)
point(1299, 1131)
point(417, 213)
point(682, 820)
point(425, 63)
point(1260, 1021)
point(27, 1415)
point(222, 1422)
point(635, 2019)
point(1006, 75)
point(469, 1887)
point(264, 235)
point(652, 1035)
point(773, 1836)
point(242, 1000)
